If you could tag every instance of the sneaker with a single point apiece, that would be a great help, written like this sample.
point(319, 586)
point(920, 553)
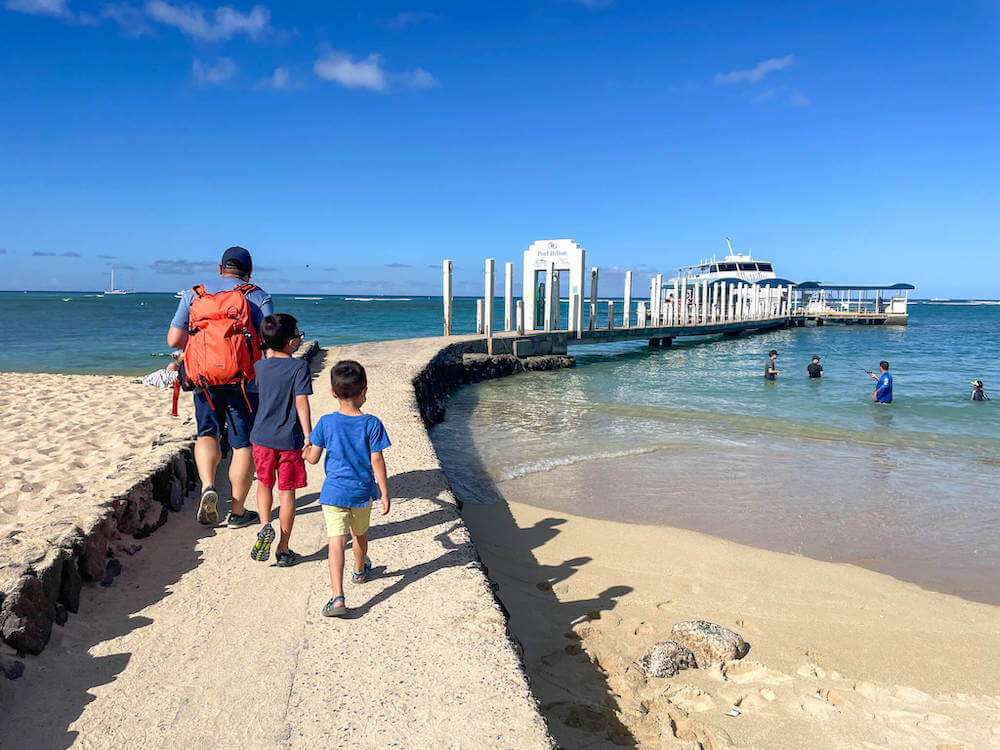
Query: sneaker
point(208, 512)
point(262, 547)
point(286, 559)
point(248, 517)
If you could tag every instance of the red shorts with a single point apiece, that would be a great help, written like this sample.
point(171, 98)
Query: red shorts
point(288, 466)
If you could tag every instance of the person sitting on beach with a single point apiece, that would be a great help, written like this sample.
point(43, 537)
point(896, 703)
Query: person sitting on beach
point(165, 377)
point(815, 369)
point(284, 385)
point(770, 367)
point(219, 405)
point(978, 394)
point(355, 476)
point(883, 389)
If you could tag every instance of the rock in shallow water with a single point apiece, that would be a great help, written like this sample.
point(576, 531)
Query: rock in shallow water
point(667, 659)
point(710, 643)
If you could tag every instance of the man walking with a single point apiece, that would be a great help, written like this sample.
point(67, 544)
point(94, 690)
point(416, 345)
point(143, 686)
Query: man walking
point(217, 325)
point(883, 389)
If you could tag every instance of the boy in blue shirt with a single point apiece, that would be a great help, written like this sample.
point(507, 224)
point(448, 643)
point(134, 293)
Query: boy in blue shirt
point(355, 476)
point(883, 389)
point(278, 435)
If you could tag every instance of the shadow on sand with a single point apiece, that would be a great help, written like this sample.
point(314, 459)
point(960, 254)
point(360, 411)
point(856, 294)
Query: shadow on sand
point(572, 690)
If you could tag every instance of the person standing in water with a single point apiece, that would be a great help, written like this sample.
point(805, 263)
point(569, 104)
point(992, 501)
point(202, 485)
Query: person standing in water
point(978, 394)
point(770, 367)
point(883, 389)
point(815, 368)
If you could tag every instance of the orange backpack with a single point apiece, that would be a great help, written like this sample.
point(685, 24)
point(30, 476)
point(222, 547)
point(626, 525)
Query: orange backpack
point(222, 343)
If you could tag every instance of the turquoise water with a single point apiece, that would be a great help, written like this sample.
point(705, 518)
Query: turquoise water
point(689, 436)
point(693, 436)
point(84, 332)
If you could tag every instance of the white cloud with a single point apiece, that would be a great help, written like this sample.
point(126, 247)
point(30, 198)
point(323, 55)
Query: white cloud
point(219, 25)
point(362, 74)
point(54, 8)
point(279, 80)
point(757, 72)
point(419, 79)
point(57, 8)
point(367, 73)
point(409, 18)
point(798, 99)
point(131, 19)
point(213, 75)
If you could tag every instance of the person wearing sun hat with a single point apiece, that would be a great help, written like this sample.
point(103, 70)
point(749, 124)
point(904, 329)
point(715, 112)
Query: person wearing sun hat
point(978, 394)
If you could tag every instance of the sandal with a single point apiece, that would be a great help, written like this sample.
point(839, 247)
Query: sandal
point(362, 575)
point(332, 610)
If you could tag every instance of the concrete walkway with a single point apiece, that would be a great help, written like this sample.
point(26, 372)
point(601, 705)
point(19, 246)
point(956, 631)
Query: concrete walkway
point(195, 645)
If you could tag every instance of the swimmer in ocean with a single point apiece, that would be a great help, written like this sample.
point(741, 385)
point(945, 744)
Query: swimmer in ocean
point(978, 394)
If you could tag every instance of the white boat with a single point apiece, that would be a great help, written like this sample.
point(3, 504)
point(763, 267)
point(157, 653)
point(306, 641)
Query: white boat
point(180, 293)
point(735, 266)
point(113, 290)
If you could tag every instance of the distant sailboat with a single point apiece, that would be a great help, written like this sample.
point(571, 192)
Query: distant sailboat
point(112, 290)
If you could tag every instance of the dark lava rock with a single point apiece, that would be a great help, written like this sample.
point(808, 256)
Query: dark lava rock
point(12, 668)
point(25, 617)
point(667, 659)
point(710, 643)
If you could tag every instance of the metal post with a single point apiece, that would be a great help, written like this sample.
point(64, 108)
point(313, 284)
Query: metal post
point(446, 294)
point(627, 310)
point(520, 317)
point(592, 323)
point(479, 316)
point(611, 314)
point(508, 296)
point(490, 282)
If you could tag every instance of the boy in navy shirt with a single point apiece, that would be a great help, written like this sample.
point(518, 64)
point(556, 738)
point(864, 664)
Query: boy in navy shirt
point(355, 476)
point(278, 436)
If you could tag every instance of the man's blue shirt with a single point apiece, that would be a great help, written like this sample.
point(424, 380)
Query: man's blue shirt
point(260, 301)
point(349, 443)
point(883, 390)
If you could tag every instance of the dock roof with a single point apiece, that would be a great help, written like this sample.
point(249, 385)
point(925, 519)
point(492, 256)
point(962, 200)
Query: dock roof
point(855, 287)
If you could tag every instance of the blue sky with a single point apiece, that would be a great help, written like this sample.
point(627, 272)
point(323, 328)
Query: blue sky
point(353, 146)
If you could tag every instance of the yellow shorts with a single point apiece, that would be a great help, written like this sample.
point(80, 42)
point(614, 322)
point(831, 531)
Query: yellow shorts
point(341, 521)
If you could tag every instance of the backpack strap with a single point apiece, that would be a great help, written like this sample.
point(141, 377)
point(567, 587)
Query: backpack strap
point(199, 291)
point(246, 288)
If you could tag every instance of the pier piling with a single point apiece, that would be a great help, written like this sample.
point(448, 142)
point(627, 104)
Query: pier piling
point(490, 284)
point(627, 309)
point(446, 295)
point(508, 296)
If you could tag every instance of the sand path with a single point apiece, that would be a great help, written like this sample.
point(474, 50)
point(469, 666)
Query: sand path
point(195, 645)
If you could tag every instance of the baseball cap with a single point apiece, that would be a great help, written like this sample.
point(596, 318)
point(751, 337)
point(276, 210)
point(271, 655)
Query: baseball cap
point(773, 351)
point(978, 383)
point(237, 258)
point(816, 357)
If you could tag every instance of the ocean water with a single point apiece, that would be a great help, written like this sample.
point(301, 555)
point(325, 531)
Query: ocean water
point(689, 436)
point(84, 332)
point(693, 436)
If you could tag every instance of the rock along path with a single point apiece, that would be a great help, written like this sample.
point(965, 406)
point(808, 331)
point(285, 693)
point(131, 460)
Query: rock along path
point(196, 645)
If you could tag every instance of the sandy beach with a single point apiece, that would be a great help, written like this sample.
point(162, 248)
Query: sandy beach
point(840, 657)
point(71, 443)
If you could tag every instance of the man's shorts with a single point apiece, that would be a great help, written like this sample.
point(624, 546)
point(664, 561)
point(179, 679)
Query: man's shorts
point(231, 410)
point(287, 466)
point(341, 521)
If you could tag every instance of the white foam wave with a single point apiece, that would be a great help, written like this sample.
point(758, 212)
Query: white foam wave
point(378, 299)
point(545, 464)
